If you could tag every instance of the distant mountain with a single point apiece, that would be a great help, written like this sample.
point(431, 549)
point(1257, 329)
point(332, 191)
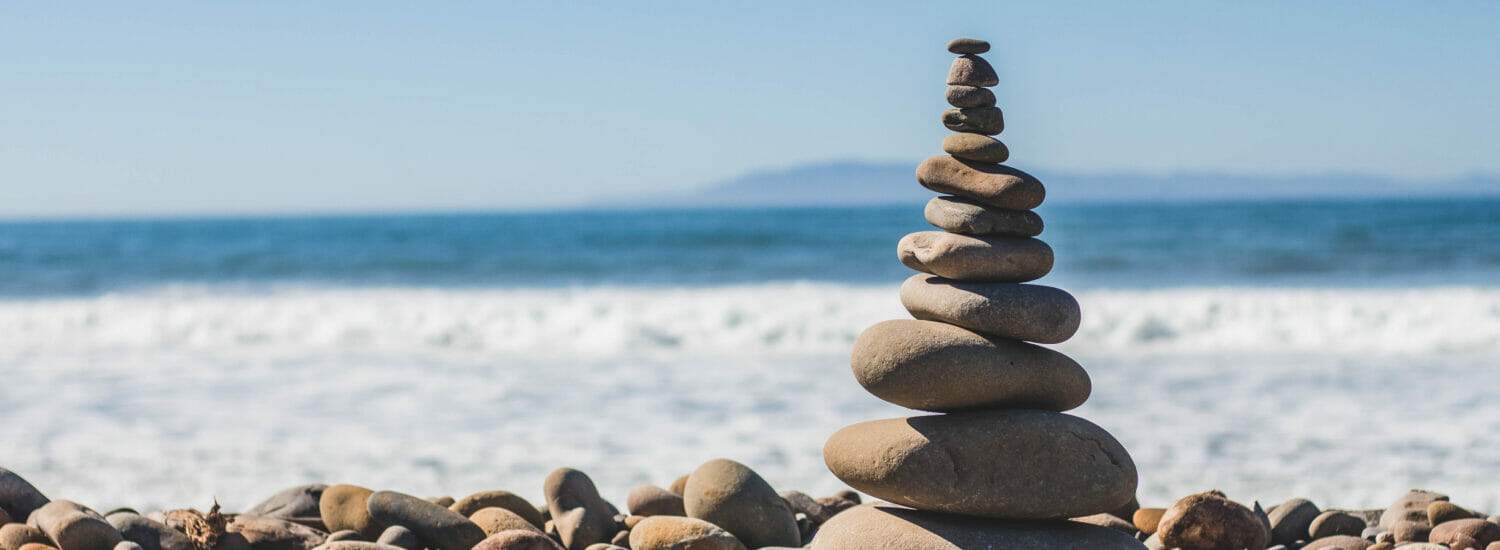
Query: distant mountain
point(865, 183)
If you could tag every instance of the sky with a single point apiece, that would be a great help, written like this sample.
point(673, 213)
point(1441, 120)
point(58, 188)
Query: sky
point(173, 108)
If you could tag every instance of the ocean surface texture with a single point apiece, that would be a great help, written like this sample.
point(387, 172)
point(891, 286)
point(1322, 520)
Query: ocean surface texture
point(1342, 351)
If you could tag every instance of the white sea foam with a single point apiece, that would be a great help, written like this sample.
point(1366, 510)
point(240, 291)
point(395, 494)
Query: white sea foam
point(178, 395)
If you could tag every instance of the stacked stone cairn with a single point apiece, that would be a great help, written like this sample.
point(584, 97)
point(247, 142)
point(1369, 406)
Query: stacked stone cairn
point(1001, 466)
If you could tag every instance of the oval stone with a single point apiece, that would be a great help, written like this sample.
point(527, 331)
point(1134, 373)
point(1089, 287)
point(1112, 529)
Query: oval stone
point(732, 496)
point(1412, 506)
point(1012, 464)
point(1209, 520)
point(439, 527)
point(1033, 313)
point(581, 516)
point(977, 148)
point(1291, 519)
point(969, 217)
point(495, 519)
point(518, 540)
point(996, 185)
point(299, 504)
point(968, 46)
point(344, 507)
point(499, 499)
point(18, 497)
point(15, 535)
point(355, 545)
point(1456, 532)
point(1338, 542)
point(673, 533)
point(265, 533)
point(147, 532)
point(650, 500)
point(972, 70)
point(970, 96)
point(890, 528)
point(977, 120)
point(939, 367)
point(994, 259)
point(1334, 523)
point(73, 526)
point(399, 536)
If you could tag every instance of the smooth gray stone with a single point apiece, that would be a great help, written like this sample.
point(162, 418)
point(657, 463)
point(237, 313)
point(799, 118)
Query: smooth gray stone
point(1033, 313)
point(985, 121)
point(992, 259)
point(18, 497)
point(890, 528)
point(73, 526)
point(149, 533)
point(299, 504)
point(437, 526)
point(1290, 520)
point(996, 185)
point(968, 46)
point(397, 535)
point(969, 217)
point(970, 96)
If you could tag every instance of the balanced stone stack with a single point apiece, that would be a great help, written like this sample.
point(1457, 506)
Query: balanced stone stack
point(1001, 466)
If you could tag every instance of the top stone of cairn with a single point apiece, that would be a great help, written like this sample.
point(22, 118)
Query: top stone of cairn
point(963, 46)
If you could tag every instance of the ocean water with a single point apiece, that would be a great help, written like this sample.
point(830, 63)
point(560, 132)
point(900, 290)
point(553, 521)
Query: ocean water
point(1343, 351)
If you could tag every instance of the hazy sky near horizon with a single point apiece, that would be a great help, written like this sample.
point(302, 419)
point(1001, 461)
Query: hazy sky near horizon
point(214, 107)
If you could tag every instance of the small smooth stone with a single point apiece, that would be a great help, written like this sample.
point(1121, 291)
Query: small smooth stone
point(1291, 519)
point(996, 185)
point(580, 515)
point(147, 532)
point(518, 540)
point(37, 546)
point(299, 503)
point(18, 497)
point(650, 500)
point(1411, 506)
point(972, 70)
point(931, 366)
point(890, 528)
point(732, 496)
point(1443, 511)
point(1208, 521)
point(1033, 313)
point(347, 534)
point(1338, 542)
point(1334, 523)
point(438, 526)
point(969, 217)
point(15, 535)
point(499, 499)
point(127, 545)
point(1146, 519)
point(277, 534)
point(1410, 531)
point(678, 485)
point(673, 533)
point(622, 537)
point(1108, 520)
point(605, 546)
point(1465, 533)
point(354, 545)
point(73, 526)
point(963, 46)
point(970, 96)
point(984, 259)
point(802, 503)
point(986, 121)
point(984, 463)
point(345, 507)
point(976, 148)
point(399, 536)
point(495, 519)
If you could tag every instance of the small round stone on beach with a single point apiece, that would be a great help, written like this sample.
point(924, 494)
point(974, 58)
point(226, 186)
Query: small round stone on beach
point(434, 524)
point(735, 498)
point(675, 533)
point(580, 515)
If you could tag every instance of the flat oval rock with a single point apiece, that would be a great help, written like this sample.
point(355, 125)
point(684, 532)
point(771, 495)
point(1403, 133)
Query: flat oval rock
point(73, 526)
point(439, 527)
point(968, 46)
point(18, 497)
point(265, 533)
point(674, 533)
point(996, 185)
point(976, 120)
point(972, 70)
point(294, 503)
point(970, 96)
point(976, 148)
point(890, 528)
point(1012, 464)
point(970, 217)
point(995, 259)
point(1033, 313)
point(938, 367)
point(732, 496)
point(499, 499)
point(650, 500)
point(496, 519)
point(580, 515)
point(518, 540)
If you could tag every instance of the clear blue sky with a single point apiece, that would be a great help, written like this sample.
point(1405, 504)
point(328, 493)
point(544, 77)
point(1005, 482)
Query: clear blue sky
point(196, 107)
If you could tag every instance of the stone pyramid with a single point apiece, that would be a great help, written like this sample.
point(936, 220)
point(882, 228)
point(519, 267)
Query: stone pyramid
point(1000, 466)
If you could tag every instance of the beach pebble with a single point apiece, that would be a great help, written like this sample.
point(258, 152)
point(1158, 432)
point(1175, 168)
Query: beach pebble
point(976, 148)
point(127, 545)
point(355, 545)
point(605, 546)
point(299, 504)
point(1033, 313)
point(1146, 519)
point(399, 536)
point(984, 463)
point(1465, 533)
point(347, 534)
point(15, 535)
point(18, 497)
point(1290, 520)
point(1333, 523)
point(519, 539)
point(1338, 542)
point(970, 217)
point(345, 507)
point(264, 533)
point(1209, 521)
point(805, 505)
point(970, 96)
point(495, 519)
point(1108, 520)
point(972, 70)
point(678, 485)
point(147, 532)
point(1441, 511)
point(73, 526)
point(650, 500)
point(996, 185)
point(1410, 531)
point(968, 46)
point(938, 367)
point(976, 258)
point(436, 525)
point(579, 514)
point(500, 499)
point(983, 121)
point(1410, 507)
point(890, 528)
point(444, 501)
point(673, 533)
point(732, 496)
point(37, 546)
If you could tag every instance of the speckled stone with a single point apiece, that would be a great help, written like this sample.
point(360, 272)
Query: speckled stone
point(1208, 521)
point(970, 217)
point(995, 185)
point(976, 148)
point(986, 121)
point(968, 46)
point(995, 259)
point(889, 528)
point(677, 533)
point(970, 96)
point(650, 500)
point(972, 70)
point(73, 526)
point(1033, 313)
point(499, 499)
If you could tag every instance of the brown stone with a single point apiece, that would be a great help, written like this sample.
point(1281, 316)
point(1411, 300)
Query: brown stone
point(890, 528)
point(298, 504)
point(1146, 519)
point(499, 499)
point(963, 46)
point(650, 500)
point(972, 70)
point(436, 525)
point(581, 516)
point(1208, 521)
point(1411, 506)
point(996, 185)
point(677, 533)
point(73, 526)
point(267, 533)
point(939, 367)
point(1338, 542)
point(1291, 519)
point(985, 121)
point(148, 533)
point(518, 539)
point(344, 507)
point(1441, 511)
point(1334, 523)
point(970, 96)
point(975, 147)
point(732, 496)
point(18, 497)
point(678, 485)
point(1108, 520)
point(354, 545)
point(1033, 313)
point(1410, 531)
point(992, 259)
point(986, 463)
point(15, 535)
point(496, 519)
point(1465, 533)
point(970, 217)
